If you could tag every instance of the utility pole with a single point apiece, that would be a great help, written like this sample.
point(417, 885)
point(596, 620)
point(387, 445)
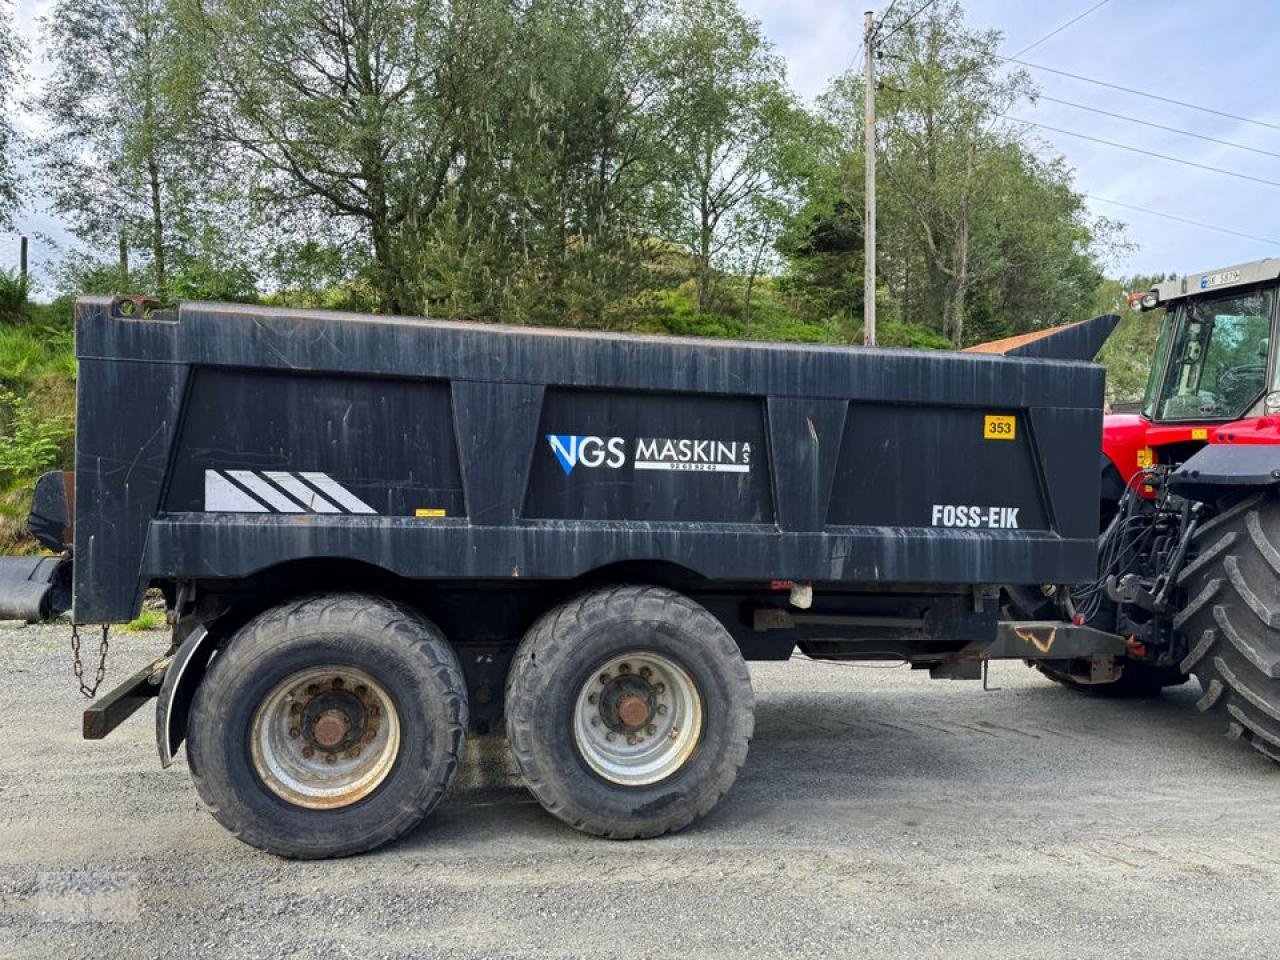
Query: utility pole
point(869, 147)
point(22, 257)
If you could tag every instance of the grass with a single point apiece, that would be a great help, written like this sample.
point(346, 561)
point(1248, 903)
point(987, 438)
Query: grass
point(148, 620)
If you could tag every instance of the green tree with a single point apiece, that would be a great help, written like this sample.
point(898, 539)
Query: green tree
point(118, 157)
point(978, 235)
point(1129, 351)
point(11, 52)
point(359, 109)
point(552, 215)
point(731, 113)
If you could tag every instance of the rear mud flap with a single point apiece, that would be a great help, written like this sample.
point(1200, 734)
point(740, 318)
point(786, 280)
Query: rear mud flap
point(34, 589)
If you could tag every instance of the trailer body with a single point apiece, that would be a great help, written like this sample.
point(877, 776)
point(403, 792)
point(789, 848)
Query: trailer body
point(557, 525)
point(222, 441)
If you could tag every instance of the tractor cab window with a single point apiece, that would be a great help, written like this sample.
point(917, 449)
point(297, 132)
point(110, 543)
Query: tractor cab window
point(1217, 364)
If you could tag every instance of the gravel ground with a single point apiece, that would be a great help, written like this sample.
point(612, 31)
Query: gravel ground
point(880, 814)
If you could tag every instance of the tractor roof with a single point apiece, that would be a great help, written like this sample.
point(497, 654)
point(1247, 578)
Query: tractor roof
point(1193, 284)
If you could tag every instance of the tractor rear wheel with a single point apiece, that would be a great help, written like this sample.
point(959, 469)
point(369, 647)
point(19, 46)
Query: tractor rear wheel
point(1231, 620)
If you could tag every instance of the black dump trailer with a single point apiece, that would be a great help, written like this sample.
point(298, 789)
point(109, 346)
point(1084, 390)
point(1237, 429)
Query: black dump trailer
point(374, 534)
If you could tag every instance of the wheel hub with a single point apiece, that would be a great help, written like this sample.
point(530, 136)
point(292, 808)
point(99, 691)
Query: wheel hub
point(325, 737)
point(330, 728)
point(335, 720)
point(627, 703)
point(634, 711)
point(638, 718)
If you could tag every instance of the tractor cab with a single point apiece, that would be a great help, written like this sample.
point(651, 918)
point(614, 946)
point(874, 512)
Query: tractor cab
point(1214, 360)
point(1214, 373)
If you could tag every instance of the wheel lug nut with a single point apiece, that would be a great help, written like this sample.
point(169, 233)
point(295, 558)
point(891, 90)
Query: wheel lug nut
point(611, 737)
point(373, 710)
point(296, 708)
point(595, 721)
point(330, 758)
point(631, 739)
point(361, 689)
point(646, 672)
point(605, 678)
point(313, 689)
point(662, 708)
point(675, 732)
point(592, 698)
point(337, 683)
point(651, 729)
point(308, 752)
point(624, 668)
point(293, 731)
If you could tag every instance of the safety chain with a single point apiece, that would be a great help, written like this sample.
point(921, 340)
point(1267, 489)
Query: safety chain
point(89, 692)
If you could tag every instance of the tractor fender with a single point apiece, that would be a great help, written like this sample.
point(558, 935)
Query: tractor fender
point(1220, 470)
point(178, 690)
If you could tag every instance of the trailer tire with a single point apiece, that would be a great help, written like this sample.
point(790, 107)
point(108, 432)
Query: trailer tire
point(370, 686)
point(658, 650)
point(1231, 620)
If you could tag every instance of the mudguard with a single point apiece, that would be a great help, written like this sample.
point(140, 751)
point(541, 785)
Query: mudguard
point(1218, 470)
point(178, 690)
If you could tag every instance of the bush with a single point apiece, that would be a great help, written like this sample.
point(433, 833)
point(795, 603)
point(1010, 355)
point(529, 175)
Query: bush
point(912, 335)
point(15, 288)
point(32, 440)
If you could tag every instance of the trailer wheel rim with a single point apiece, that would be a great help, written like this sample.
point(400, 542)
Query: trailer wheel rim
point(638, 718)
point(325, 737)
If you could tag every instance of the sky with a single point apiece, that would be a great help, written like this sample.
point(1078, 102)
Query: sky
point(1225, 56)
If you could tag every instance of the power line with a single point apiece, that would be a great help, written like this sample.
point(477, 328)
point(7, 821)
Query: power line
point(1055, 32)
point(884, 16)
point(1143, 93)
point(914, 13)
point(1149, 153)
point(1177, 219)
point(1158, 126)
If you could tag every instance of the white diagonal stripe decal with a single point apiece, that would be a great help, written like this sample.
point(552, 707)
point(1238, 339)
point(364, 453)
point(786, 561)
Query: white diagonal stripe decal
point(222, 496)
point(337, 492)
point(296, 488)
point(264, 491)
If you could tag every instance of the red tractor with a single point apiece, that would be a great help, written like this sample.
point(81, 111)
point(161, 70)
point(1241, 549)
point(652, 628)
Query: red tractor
point(1189, 554)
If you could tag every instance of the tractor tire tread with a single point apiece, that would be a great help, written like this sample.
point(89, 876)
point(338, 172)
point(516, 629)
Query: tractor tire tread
point(1233, 614)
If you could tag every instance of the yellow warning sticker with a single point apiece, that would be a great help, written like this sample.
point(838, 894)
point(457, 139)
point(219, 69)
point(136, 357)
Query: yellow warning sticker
point(1146, 457)
point(430, 512)
point(1200, 434)
point(998, 427)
